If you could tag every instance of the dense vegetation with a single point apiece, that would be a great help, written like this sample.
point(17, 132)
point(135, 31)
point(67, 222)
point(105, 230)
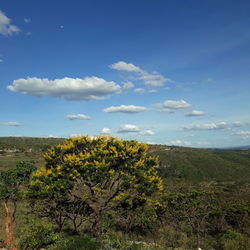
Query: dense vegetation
point(69, 203)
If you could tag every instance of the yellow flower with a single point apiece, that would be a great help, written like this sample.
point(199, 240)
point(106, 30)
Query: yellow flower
point(112, 171)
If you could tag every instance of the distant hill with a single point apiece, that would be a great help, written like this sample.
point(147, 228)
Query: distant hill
point(203, 164)
point(240, 148)
point(27, 143)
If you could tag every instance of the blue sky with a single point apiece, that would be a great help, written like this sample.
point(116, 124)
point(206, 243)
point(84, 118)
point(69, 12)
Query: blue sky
point(167, 72)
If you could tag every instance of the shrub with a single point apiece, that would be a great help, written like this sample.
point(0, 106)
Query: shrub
point(36, 234)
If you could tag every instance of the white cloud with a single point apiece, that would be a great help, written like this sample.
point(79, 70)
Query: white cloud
point(188, 136)
point(27, 20)
point(125, 109)
point(210, 80)
point(247, 137)
point(78, 117)
point(195, 113)
point(66, 88)
point(6, 28)
point(125, 67)
point(14, 124)
point(128, 128)
point(209, 126)
point(1, 60)
point(242, 133)
point(175, 104)
point(238, 124)
point(153, 91)
point(172, 106)
point(50, 136)
point(147, 132)
point(106, 131)
point(139, 90)
point(127, 85)
point(180, 143)
point(152, 79)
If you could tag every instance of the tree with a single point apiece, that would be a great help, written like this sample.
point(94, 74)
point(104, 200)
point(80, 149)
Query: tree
point(101, 171)
point(11, 184)
point(194, 208)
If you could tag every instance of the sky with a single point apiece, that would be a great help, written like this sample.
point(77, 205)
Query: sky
point(158, 71)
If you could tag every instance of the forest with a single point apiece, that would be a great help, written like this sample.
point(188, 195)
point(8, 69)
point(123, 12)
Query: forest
point(107, 193)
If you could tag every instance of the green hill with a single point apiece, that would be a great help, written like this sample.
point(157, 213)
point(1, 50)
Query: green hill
point(203, 164)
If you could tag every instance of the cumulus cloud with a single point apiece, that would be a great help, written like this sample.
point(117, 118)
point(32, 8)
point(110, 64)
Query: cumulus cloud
point(127, 85)
point(147, 132)
point(238, 124)
point(123, 66)
point(128, 128)
point(152, 79)
point(27, 20)
point(153, 91)
point(175, 104)
point(211, 126)
point(125, 109)
point(67, 88)
point(188, 135)
point(78, 117)
point(106, 131)
point(242, 133)
point(139, 90)
point(6, 28)
point(180, 143)
point(195, 113)
point(172, 106)
point(13, 124)
point(50, 136)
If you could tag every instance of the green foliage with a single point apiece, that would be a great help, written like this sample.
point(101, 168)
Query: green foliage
point(84, 242)
point(103, 172)
point(13, 179)
point(205, 204)
point(27, 143)
point(237, 213)
point(195, 165)
point(232, 240)
point(36, 234)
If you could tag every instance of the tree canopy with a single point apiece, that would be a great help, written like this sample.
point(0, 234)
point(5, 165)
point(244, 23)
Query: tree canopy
point(101, 172)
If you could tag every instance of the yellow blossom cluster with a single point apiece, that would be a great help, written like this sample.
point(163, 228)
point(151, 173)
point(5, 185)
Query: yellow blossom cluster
point(95, 159)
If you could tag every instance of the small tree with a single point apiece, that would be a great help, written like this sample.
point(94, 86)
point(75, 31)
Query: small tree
point(101, 171)
point(11, 184)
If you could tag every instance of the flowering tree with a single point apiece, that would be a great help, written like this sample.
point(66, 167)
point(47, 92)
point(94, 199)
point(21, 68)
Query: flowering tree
point(102, 172)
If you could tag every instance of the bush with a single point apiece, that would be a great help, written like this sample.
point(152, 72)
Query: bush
point(76, 242)
point(232, 240)
point(36, 234)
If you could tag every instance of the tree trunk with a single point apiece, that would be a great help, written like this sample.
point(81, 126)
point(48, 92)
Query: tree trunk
point(97, 225)
point(9, 227)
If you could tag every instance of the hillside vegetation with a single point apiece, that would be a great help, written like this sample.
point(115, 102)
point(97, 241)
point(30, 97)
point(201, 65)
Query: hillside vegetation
point(191, 164)
point(204, 203)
